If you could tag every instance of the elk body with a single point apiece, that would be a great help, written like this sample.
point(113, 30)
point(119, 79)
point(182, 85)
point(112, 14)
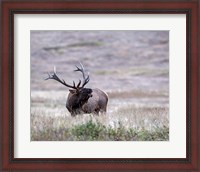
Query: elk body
point(80, 99)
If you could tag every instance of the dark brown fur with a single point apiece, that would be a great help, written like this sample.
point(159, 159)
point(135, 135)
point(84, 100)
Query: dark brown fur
point(92, 102)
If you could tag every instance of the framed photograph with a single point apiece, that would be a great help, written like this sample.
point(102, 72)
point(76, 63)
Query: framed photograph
point(100, 85)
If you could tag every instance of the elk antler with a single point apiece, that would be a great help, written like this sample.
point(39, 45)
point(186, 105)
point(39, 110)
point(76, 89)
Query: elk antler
point(55, 77)
point(86, 79)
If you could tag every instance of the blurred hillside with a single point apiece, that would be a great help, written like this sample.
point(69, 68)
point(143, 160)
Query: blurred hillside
point(116, 60)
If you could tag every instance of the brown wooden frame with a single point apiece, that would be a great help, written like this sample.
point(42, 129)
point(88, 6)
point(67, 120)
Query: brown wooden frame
point(11, 7)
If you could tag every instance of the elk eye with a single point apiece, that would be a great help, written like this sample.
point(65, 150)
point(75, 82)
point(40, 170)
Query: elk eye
point(72, 91)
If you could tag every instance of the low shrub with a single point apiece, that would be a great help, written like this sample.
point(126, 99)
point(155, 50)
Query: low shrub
point(95, 131)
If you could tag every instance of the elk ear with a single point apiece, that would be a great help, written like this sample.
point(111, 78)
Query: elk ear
point(72, 91)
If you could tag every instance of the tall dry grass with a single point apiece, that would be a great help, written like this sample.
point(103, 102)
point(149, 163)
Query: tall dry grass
point(51, 121)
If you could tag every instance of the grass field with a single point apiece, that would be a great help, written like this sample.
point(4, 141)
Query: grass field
point(51, 121)
point(131, 66)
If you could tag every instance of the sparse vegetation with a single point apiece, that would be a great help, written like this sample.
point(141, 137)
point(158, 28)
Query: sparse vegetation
point(96, 131)
point(137, 71)
point(79, 44)
point(136, 93)
point(125, 124)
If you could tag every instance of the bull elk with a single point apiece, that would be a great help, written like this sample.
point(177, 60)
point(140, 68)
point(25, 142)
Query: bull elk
point(80, 99)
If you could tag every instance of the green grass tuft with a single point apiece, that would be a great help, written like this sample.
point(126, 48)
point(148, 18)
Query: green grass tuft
point(96, 131)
